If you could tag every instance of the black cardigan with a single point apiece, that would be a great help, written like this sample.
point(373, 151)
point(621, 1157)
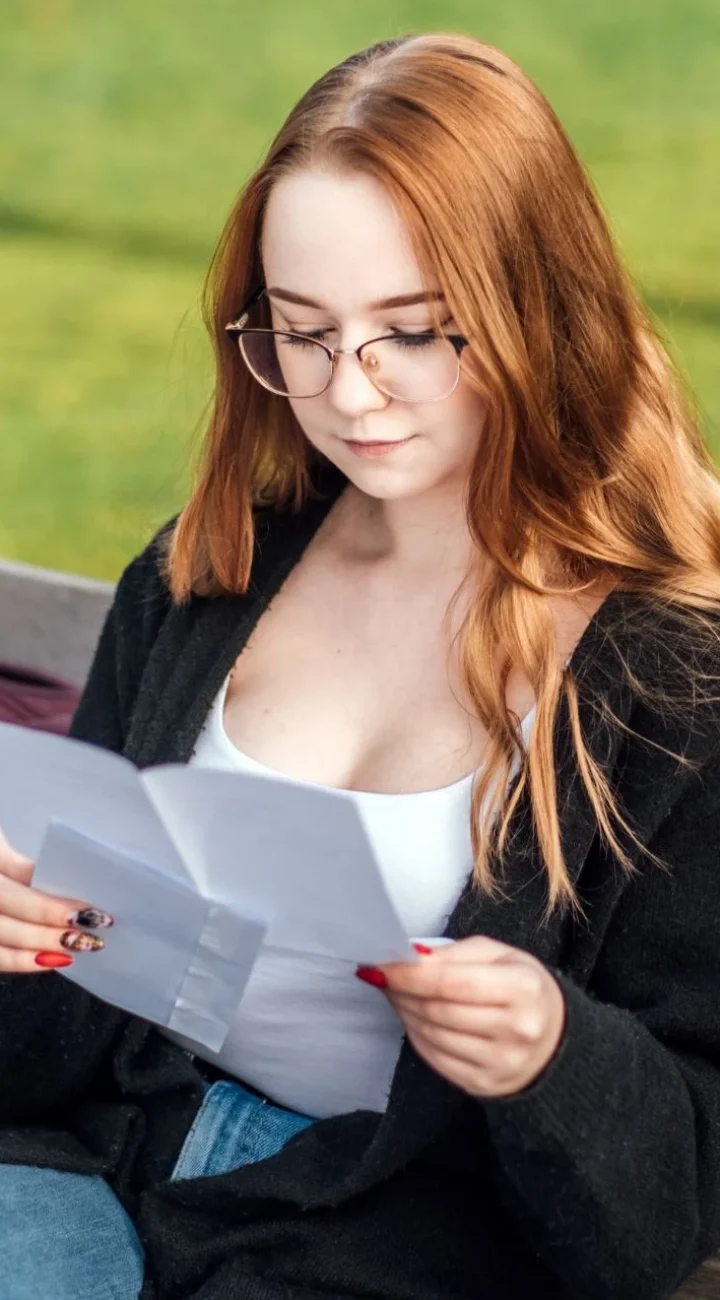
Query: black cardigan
point(602, 1179)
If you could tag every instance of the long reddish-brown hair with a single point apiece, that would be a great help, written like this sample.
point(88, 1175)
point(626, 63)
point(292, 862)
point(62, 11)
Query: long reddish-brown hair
point(589, 453)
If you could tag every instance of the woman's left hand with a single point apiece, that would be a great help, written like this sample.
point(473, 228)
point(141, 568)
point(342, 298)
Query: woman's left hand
point(486, 1016)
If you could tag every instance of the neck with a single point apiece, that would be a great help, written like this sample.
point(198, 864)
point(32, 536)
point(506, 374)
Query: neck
point(426, 533)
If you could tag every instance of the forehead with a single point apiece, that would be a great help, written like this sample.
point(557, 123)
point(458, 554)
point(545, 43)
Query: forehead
point(337, 239)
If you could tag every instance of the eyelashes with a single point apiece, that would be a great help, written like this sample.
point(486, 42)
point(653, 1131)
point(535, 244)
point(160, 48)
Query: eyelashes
point(319, 331)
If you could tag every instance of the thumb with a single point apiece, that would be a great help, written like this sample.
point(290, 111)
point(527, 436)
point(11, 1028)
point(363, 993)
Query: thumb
point(13, 864)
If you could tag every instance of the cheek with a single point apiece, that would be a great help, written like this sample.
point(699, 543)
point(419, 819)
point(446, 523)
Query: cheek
point(311, 415)
point(468, 401)
point(465, 415)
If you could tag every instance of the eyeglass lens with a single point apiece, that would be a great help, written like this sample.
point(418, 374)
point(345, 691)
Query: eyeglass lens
point(414, 368)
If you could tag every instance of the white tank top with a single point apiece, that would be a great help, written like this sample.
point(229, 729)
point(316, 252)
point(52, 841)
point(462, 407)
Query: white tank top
point(308, 1033)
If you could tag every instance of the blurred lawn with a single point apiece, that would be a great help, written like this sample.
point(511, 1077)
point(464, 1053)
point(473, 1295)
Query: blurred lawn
point(127, 131)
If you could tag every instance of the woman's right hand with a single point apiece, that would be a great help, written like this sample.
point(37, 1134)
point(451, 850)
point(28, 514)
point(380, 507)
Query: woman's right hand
point(36, 929)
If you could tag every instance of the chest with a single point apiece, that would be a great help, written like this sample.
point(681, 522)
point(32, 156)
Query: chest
point(356, 685)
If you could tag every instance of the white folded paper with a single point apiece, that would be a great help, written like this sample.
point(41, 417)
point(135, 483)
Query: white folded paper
point(198, 867)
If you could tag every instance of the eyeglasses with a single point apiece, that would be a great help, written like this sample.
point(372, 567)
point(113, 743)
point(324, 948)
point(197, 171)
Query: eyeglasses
point(410, 367)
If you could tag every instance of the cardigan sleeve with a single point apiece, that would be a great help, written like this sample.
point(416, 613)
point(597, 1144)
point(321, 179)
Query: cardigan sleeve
point(611, 1159)
point(57, 1040)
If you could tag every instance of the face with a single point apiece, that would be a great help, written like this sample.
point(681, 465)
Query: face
point(338, 241)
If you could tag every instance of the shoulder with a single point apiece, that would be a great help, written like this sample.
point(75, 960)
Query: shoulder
point(144, 576)
point(667, 652)
point(142, 596)
point(664, 659)
point(140, 604)
point(673, 661)
point(143, 601)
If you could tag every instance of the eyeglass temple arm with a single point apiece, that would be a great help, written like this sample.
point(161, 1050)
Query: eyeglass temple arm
point(243, 315)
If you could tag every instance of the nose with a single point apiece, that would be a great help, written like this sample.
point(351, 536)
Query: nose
point(350, 390)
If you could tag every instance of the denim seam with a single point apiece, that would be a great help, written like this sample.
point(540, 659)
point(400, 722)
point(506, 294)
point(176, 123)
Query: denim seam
point(176, 1174)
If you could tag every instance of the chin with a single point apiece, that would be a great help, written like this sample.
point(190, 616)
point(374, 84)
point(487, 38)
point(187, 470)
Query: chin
point(384, 477)
point(386, 484)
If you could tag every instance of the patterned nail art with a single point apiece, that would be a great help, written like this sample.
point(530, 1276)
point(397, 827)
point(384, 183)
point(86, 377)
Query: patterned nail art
point(92, 917)
point(78, 942)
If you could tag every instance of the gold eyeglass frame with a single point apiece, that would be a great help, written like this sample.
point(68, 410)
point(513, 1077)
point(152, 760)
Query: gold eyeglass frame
point(237, 327)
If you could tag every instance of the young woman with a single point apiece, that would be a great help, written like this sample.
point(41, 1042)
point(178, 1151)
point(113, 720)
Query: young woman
point(454, 548)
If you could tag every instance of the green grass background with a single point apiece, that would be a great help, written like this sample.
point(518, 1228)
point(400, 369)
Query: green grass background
point(128, 129)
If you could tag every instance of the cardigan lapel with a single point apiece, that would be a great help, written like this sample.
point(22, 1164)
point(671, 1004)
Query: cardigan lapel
point(199, 642)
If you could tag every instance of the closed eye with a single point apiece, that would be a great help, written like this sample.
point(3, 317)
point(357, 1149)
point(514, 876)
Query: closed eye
point(405, 341)
point(413, 342)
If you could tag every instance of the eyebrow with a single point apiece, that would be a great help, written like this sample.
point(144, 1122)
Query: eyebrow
point(400, 300)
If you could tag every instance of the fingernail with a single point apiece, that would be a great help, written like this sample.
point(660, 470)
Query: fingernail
point(91, 916)
point(420, 947)
point(372, 976)
point(78, 942)
point(52, 959)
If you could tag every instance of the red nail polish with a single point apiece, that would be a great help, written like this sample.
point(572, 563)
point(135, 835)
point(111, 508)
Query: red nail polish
point(52, 959)
point(420, 947)
point(372, 976)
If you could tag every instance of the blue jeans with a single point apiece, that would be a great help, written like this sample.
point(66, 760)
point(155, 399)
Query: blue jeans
point(68, 1236)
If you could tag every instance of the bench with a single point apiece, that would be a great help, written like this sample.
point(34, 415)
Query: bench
point(51, 621)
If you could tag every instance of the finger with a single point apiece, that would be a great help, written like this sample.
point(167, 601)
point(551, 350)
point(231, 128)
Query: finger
point(13, 864)
point(476, 948)
point(25, 904)
point(41, 938)
point(20, 869)
point(485, 1021)
point(496, 985)
point(463, 1074)
point(17, 961)
point(471, 1048)
point(22, 872)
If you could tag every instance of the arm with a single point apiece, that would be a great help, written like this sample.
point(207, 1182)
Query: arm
point(611, 1159)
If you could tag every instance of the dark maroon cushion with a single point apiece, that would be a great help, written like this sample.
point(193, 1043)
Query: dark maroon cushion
point(33, 699)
